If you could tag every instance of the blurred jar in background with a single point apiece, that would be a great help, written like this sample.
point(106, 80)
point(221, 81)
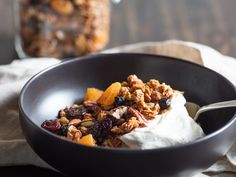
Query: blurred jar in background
point(61, 28)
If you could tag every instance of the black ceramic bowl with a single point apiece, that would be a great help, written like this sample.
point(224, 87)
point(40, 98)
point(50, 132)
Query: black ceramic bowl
point(66, 83)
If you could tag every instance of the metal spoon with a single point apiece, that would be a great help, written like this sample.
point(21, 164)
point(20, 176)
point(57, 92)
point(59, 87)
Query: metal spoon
point(195, 110)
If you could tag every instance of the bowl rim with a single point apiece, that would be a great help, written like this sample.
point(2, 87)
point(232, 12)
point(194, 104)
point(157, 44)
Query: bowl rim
point(123, 150)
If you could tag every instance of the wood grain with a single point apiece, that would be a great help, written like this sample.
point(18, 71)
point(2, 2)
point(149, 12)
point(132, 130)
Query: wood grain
point(210, 22)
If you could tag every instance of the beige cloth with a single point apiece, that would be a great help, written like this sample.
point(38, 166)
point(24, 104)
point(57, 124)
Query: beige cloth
point(15, 151)
point(13, 148)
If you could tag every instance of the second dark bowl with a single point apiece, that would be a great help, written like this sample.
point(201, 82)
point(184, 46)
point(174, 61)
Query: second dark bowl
point(66, 83)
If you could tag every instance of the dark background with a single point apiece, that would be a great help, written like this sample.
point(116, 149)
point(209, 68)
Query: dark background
point(211, 22)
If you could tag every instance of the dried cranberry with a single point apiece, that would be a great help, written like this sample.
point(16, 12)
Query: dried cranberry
point(119, 101)
point(76, 112)
point(92, 107)
point(164, 103)
point(106, 127)
point(51, 125)
point(100, 130)
point(95, 130)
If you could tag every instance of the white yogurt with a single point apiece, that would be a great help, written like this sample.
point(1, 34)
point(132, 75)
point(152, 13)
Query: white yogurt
point(171, 128)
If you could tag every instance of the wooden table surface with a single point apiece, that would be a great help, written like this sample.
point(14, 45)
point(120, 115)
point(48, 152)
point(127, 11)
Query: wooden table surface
point(211, 22)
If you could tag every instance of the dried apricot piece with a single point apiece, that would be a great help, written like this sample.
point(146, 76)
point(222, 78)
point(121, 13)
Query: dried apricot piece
point(93, 94)
point(87, 140)
point(108, 97)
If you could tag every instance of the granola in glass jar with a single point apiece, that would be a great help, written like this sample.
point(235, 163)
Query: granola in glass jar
point(61, 28)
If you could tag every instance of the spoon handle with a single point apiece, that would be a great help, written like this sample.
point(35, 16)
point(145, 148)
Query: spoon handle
point(219, 105)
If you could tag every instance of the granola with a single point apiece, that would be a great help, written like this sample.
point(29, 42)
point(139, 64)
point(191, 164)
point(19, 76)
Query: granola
point(63, 28)
point(118, 110)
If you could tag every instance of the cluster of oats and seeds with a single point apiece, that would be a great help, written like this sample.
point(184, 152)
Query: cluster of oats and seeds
point(104, 116)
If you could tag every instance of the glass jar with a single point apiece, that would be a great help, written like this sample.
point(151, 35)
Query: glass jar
point(61, 28)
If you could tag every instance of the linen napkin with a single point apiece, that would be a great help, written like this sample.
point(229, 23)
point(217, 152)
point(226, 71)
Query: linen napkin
point(14, 150)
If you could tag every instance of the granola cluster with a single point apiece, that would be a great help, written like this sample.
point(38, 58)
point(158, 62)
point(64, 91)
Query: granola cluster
point(103, 117)
point(63, 28)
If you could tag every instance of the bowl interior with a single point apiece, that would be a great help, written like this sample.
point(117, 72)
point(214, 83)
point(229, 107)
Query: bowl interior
point(66, 83)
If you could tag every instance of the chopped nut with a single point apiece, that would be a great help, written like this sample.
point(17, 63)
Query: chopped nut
point(71, 132)
point(133, 79)
point(102, 115)
point(147, 94)
point(135, 83)
point(141, 119)
point(148, 110)
point(148, 114)
point(63, 121)
point(117, 130)
point(130, 125)
point(163, 87)
point(155, 96)
point(112, 142)
point(75, 122)
point(125, 93)
point(70, 136)
point(77, 136)
point(116, 142)
point(140, 106)
point(154, 84)
point(168, 93)
point(150, 105)
point(72, 129)
point(87, 116)
point(83, 130)
point(134, 121)
point(107, 143)
point(118, 112)
point(137, 95)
